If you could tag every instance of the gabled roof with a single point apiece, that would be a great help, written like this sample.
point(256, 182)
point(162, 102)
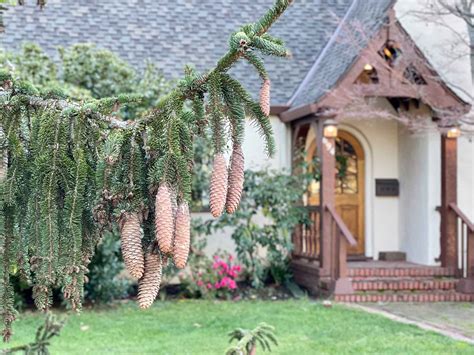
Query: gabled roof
point(174, 33)
point(392, 79)
point(368, 17)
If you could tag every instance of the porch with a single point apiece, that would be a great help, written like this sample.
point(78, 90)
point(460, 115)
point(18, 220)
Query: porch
point(385, 281)
point(381, 189)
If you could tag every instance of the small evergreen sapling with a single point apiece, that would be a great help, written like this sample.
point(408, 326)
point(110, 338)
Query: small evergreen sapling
point(247, 340)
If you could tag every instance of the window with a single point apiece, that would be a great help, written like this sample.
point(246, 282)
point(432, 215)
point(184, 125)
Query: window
point(413, 76)
point(391, 52)
point(347, 167)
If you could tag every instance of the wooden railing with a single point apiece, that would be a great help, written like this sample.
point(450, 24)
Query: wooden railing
point(340, 237)
point(465, 239)
point(306, 237)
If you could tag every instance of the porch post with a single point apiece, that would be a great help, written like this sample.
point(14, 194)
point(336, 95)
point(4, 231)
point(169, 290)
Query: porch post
point(449, 247)
point(327, 153)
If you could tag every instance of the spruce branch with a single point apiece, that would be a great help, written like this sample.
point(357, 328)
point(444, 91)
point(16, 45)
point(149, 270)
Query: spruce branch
point(69, 169)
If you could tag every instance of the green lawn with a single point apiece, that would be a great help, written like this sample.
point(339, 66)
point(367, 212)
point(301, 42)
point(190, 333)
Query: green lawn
point(200, 327)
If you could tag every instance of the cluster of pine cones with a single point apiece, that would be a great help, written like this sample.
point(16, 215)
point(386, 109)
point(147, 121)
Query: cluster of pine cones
point(173, 223)
point(172, 230)
point(173, 226)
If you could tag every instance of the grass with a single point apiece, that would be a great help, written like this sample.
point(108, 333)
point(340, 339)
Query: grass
point(201, 327)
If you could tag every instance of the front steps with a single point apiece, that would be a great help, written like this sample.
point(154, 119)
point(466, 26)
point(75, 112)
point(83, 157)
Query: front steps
point(404, 284)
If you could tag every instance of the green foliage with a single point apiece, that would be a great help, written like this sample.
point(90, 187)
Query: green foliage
point(106, 279)
point(86, 72)
point(247, 340)
point(201, 173)
point(72, 169)
point(97, 70)
point(45, 332)
point(267, 216)
point(31, 64)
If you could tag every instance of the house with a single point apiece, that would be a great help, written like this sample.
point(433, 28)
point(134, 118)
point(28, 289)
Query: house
point(394, 208)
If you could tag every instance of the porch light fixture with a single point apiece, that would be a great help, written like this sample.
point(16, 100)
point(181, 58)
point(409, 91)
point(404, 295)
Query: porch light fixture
point(453, 132)
point(368, 67)
point(314, 187)
point(330, 128)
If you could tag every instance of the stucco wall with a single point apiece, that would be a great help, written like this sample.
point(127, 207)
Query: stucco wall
point(254, 147)
point(420, 195)
point(450, 58)
point(379, 139)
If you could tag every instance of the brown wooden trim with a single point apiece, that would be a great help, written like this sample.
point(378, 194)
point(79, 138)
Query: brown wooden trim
point(341, 225)
point(436, 93)
point(327, 156)
point(462, 216)
point(449, 226)
point(278, 109)
point(299, 112)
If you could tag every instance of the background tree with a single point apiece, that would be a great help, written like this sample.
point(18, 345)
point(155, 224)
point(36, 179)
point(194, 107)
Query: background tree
point(439, 12)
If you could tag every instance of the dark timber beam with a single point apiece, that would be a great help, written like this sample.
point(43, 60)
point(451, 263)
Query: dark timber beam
point(327, 156)
point(449, 245)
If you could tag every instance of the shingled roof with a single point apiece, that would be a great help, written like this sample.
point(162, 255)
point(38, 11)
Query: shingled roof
point(174, 33)
point(363, 19)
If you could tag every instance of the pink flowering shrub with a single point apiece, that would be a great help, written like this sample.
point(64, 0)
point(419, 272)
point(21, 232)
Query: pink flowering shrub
point(217, 278)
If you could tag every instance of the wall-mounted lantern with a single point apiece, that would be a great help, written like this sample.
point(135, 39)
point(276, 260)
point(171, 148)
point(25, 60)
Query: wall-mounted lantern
point(314, 187)
point(453, 132)
point(330, 128)
point(368, 67)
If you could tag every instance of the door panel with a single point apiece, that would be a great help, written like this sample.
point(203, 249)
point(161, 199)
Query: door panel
point(350, 186)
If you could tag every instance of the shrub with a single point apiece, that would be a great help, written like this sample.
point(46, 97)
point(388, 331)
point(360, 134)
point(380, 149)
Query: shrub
point(106, 272)
point(263, 224)
point(216, 278)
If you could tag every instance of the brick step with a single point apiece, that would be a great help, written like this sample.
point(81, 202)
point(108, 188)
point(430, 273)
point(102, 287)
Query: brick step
point(356, 273)
point(377, 284)
point(439, 296)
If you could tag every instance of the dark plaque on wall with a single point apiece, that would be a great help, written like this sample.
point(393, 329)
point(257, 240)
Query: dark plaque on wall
point(387, 187)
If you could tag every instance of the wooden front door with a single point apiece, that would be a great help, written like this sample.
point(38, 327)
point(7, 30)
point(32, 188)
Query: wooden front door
point(350, 182)
point(349, 189)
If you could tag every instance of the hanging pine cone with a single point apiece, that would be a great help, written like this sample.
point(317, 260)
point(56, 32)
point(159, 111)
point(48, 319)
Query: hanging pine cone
point(182, 236)
point(236, 179)
point(164, 219)
point(265, 97)
point(131, 242)
point(217, 195)
point(149, 284)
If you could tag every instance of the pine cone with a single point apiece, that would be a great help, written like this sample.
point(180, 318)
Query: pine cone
point(149, 284)
point(265, 97)
point(164, 219)
point(131, 242)
point(236, 179)
point(217, 195)
point(182, 236)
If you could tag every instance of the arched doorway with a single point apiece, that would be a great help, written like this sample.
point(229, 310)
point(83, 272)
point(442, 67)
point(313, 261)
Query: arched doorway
point(350, 185)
